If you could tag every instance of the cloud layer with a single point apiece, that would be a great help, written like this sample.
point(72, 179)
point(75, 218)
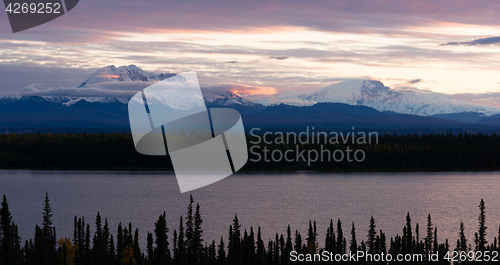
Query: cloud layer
point(280, 45)
point(483, 41)
point(108, 89)
point(326, 15)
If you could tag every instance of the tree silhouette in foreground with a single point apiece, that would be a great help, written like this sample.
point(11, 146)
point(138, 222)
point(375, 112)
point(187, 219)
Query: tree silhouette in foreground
point(243, 247)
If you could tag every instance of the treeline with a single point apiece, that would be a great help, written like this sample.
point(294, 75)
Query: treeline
point(98, 246)
point(388, 152)
point(391, 152)
point(75, 151)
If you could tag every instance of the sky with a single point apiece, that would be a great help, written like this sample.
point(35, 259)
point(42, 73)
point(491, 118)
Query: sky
point(260, 48)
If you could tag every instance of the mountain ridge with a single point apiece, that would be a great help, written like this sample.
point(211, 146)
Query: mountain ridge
point(131, 72)
point(371, 93)
point(375, 94)
point(360, 103)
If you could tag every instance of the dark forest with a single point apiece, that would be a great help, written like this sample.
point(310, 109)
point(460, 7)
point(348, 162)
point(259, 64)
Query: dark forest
point(393, 152)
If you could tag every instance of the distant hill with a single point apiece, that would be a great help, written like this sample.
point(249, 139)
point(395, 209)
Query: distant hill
point(344, 116)
point(38, 112)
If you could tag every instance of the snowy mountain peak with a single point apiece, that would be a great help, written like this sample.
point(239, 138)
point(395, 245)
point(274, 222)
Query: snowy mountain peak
point(131, 73)
point(370, 93)
point(68, 101)
point(226, 99)
point(375, 94)
point(344, 92)
point(374, 91)
point(8, 99)
point(123, 73)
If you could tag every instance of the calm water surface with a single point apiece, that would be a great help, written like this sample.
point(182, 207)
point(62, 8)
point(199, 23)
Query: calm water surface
point(270, 200)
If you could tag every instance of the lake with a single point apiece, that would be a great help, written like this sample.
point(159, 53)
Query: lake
point(271, 200)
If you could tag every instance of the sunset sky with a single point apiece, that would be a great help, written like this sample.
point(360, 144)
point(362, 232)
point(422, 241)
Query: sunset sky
point(261, 48)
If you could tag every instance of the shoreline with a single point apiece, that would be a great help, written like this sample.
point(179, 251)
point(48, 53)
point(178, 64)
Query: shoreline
point(289, 170)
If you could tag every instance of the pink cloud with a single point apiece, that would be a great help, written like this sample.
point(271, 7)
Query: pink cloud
point(110, 76)
point(488, 98)
point(250, 92)
point(246, 90)
point(347, 16)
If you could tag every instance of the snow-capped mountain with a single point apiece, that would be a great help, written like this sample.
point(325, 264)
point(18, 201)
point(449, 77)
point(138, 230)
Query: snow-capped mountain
point(68, 101)
point(123, 73)
point(228, 99)
point(132, 73)
point(7, 100)
point(368, 93)
point(374, 94)
point(136, 74)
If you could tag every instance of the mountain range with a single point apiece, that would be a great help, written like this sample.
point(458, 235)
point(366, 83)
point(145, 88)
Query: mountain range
point(359, 103)
point(123, 73)
point(374, 94)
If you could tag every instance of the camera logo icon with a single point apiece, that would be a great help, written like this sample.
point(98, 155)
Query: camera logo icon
point(205, 145)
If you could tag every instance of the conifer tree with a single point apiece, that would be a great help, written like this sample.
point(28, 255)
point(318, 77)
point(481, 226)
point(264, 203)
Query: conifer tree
point(270, 252)
point(161, 230)
point(383, 245)
point(340, 238)
point(289, 245)
point(261, 252)
point(276, 249)
point(372, 234)
point(250, 247)
point(98, 249)
point(137, 248)
point(9, 241)
point(283, 259)
point(417, 238)
point(311, 239)
point(111, 250)
point(354, 245)
point(462, 241)
point(181, 245)
point(120, 241)
point(482, 227)
point(197, 242)
point(175, 251)
point(234, 250)
point(47, 214)
point(150, 249)
point(221, 253)
point(435, 241)
point(48, 236)
point(190, 231)
point(87, 245)
point(409, 235)
point(106, 247)
point(310, 233)
point(298, 242)
point(498, 238)
point(75, 231)
point(428, 238)
point(330, 238)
